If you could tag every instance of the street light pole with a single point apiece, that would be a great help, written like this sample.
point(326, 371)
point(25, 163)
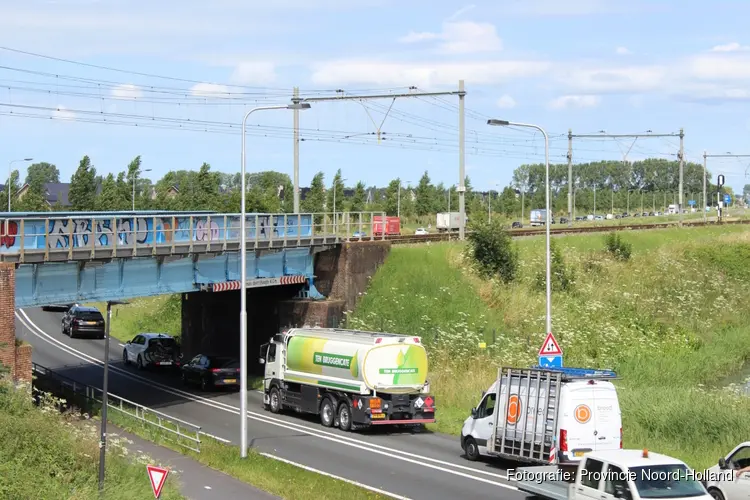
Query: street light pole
point(243, 272)
point(105, 395)
point(10, 174)
point(547, 196)
point(335, 218)
point(135, 176)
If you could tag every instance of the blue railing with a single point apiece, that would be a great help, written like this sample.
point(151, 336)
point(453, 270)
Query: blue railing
point(580, 372)
point(34, 234)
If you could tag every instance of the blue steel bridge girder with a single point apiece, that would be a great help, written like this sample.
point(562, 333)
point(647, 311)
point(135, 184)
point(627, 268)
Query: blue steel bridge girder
point(125, 278)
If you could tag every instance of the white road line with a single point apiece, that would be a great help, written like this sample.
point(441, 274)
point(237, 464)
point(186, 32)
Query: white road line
point(376, 490)
point(215, 437)
point(366, 446)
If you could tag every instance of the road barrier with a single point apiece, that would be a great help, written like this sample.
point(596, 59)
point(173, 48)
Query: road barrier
point(88, 398)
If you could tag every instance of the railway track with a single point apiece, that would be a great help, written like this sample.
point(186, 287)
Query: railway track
point(521, 233)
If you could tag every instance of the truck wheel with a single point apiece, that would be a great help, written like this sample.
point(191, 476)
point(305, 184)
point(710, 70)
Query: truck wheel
point(345, 417)
point(471, 448)
point(275, 405)
point(327, 414)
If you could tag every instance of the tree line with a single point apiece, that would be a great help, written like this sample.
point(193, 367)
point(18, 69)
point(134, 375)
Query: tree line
point(611, 183)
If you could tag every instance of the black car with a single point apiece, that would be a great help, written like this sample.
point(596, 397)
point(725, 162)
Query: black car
point(83, 321)
point(563, 220)
point(212, 371)
point(516, 225)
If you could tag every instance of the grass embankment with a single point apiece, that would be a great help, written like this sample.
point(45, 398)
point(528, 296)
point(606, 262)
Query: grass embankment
point(45, 455)
point(672, 321)
point(278, 478)
point(161, 314)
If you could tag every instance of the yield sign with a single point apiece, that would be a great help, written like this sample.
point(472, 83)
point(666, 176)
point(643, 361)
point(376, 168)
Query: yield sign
point(157, 476)
point(550, 347)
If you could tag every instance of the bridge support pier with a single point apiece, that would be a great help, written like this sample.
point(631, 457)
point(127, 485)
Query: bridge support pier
point(15, 358)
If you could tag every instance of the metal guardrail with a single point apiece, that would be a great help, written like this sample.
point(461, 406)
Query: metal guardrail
point(84, 396)
point(32, 238)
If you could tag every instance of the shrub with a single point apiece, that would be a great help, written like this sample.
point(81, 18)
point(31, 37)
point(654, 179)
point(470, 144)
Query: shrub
point(562, 275)
point(619, 248)
point(493, 251)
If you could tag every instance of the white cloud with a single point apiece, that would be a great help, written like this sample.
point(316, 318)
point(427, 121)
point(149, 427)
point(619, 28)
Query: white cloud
point(423, 74)
point(506, 102)
point(622, 51)
point(212, 90)
point(254, 73)
point(724, 67)
point(730, 47)
point(626, 79)
point(462, 37)
point(127, 91)
point(575, 101)
point(63, 113)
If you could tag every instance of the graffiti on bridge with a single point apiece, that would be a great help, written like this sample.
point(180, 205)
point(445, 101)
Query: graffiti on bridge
point(88, 232)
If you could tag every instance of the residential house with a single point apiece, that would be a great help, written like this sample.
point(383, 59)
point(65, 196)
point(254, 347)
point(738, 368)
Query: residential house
point(55, 193)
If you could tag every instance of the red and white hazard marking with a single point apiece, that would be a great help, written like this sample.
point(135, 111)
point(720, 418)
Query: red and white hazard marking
point(259, 282)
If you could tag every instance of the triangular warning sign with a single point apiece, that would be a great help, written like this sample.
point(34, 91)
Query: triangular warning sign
point(550, 347)
point(157, 476)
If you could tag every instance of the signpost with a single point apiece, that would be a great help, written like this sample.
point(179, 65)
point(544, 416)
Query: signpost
point(691, 203)
point(727, 199)
point(550, 355)
point(157, 476)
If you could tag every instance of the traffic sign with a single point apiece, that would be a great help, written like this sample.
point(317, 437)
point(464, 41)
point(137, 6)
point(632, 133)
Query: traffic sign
point(727, 199)
point(691, 203)
point(720, 180)
point(157, 476)
point(551, 361)
point(550, 347)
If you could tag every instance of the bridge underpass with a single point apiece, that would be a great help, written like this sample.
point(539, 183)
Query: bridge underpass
point(301, 268)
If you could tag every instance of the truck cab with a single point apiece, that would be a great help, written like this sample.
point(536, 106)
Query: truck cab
point(615, 474)
point(545, 416)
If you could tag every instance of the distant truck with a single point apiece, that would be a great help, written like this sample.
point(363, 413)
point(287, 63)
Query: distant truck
point(449, 221)
point(538, 217)
point(392, 226)
point(545, 415)
point(615, 474)
point(348, 377)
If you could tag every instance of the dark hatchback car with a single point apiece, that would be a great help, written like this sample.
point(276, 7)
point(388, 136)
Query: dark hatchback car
point(82, 321)
point(212, 371)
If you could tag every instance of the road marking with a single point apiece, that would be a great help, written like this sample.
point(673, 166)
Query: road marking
point(376, 490)
point(215, 437)
point(363, 445)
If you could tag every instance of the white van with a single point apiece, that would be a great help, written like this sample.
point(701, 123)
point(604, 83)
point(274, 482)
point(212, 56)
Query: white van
point(549, 416)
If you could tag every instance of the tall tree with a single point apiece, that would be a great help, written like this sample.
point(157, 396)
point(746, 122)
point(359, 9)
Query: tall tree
point(110, 198)
point(13, 186)
point(359, 198)
point(337, 186)
point(425, 202)
point(315, 198)
point(207, 195)
point(391, 204)
point(42, 173)
point(82, 194)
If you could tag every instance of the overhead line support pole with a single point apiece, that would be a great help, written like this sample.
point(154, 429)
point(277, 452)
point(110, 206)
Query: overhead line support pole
point(705, 155)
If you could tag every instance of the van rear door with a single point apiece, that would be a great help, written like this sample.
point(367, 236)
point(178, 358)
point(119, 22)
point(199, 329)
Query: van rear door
point(607, 418)
point(578, 418)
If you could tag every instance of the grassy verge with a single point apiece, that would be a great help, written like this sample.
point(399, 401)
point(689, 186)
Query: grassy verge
point(672, 321)
point(46, 455)
point(160, 314)
point(278, 478)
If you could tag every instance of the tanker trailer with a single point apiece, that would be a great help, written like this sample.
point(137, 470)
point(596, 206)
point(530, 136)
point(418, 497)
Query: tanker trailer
point(350, 378)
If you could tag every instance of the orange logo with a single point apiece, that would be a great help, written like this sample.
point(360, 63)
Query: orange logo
point(514, 409)
point(582, 413)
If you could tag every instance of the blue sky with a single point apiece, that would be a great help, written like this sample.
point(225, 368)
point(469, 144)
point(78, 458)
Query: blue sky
point(588, 65)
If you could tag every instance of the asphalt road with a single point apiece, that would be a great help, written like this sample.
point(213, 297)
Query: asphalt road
point(405, 465)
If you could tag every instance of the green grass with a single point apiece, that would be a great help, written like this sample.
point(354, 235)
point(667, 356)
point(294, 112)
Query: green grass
point(276, 477)
point(160, 314)
point(45, 455)
point(673, 321)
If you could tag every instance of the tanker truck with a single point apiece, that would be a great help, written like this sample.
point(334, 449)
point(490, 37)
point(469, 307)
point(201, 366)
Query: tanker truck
point(352, 379)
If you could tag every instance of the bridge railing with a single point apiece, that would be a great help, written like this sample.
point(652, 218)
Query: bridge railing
point(89, 398)
point(34, 238)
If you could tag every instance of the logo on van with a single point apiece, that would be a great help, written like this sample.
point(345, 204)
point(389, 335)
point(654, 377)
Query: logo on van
point(582, 414)
point(514, 409)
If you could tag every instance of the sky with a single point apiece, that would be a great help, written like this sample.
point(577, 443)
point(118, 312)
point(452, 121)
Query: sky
point(171, 81)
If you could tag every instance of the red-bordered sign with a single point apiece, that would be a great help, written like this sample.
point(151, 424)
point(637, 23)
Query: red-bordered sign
point(157, 476)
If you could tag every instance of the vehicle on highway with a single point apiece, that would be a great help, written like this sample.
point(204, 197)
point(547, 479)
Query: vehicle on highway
point(516, 225)
point(212, 372)
point(421, 231)
point(721, 480)
point(349, 378)
point(449, 221)
point(392, 226)
point(359, 234)
point(81, 321)
point(152, 349)
point(538, 217)
point(57, 307)
point(548, 416)
point(615, 474)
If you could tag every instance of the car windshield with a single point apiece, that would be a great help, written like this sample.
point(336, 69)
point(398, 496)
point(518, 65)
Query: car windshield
point(223, 362)
point(666, 481)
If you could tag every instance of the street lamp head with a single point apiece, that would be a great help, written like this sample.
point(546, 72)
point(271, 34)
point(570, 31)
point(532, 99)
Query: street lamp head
point(498, 123)
point(299, 105)
point(28, 159)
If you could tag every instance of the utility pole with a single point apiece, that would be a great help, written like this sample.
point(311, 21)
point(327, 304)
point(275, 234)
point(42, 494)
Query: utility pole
point(296, 153)
point(461, 93)
point(570, 177)
point(461, 166)
point(682, 168)
point(705, 155)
